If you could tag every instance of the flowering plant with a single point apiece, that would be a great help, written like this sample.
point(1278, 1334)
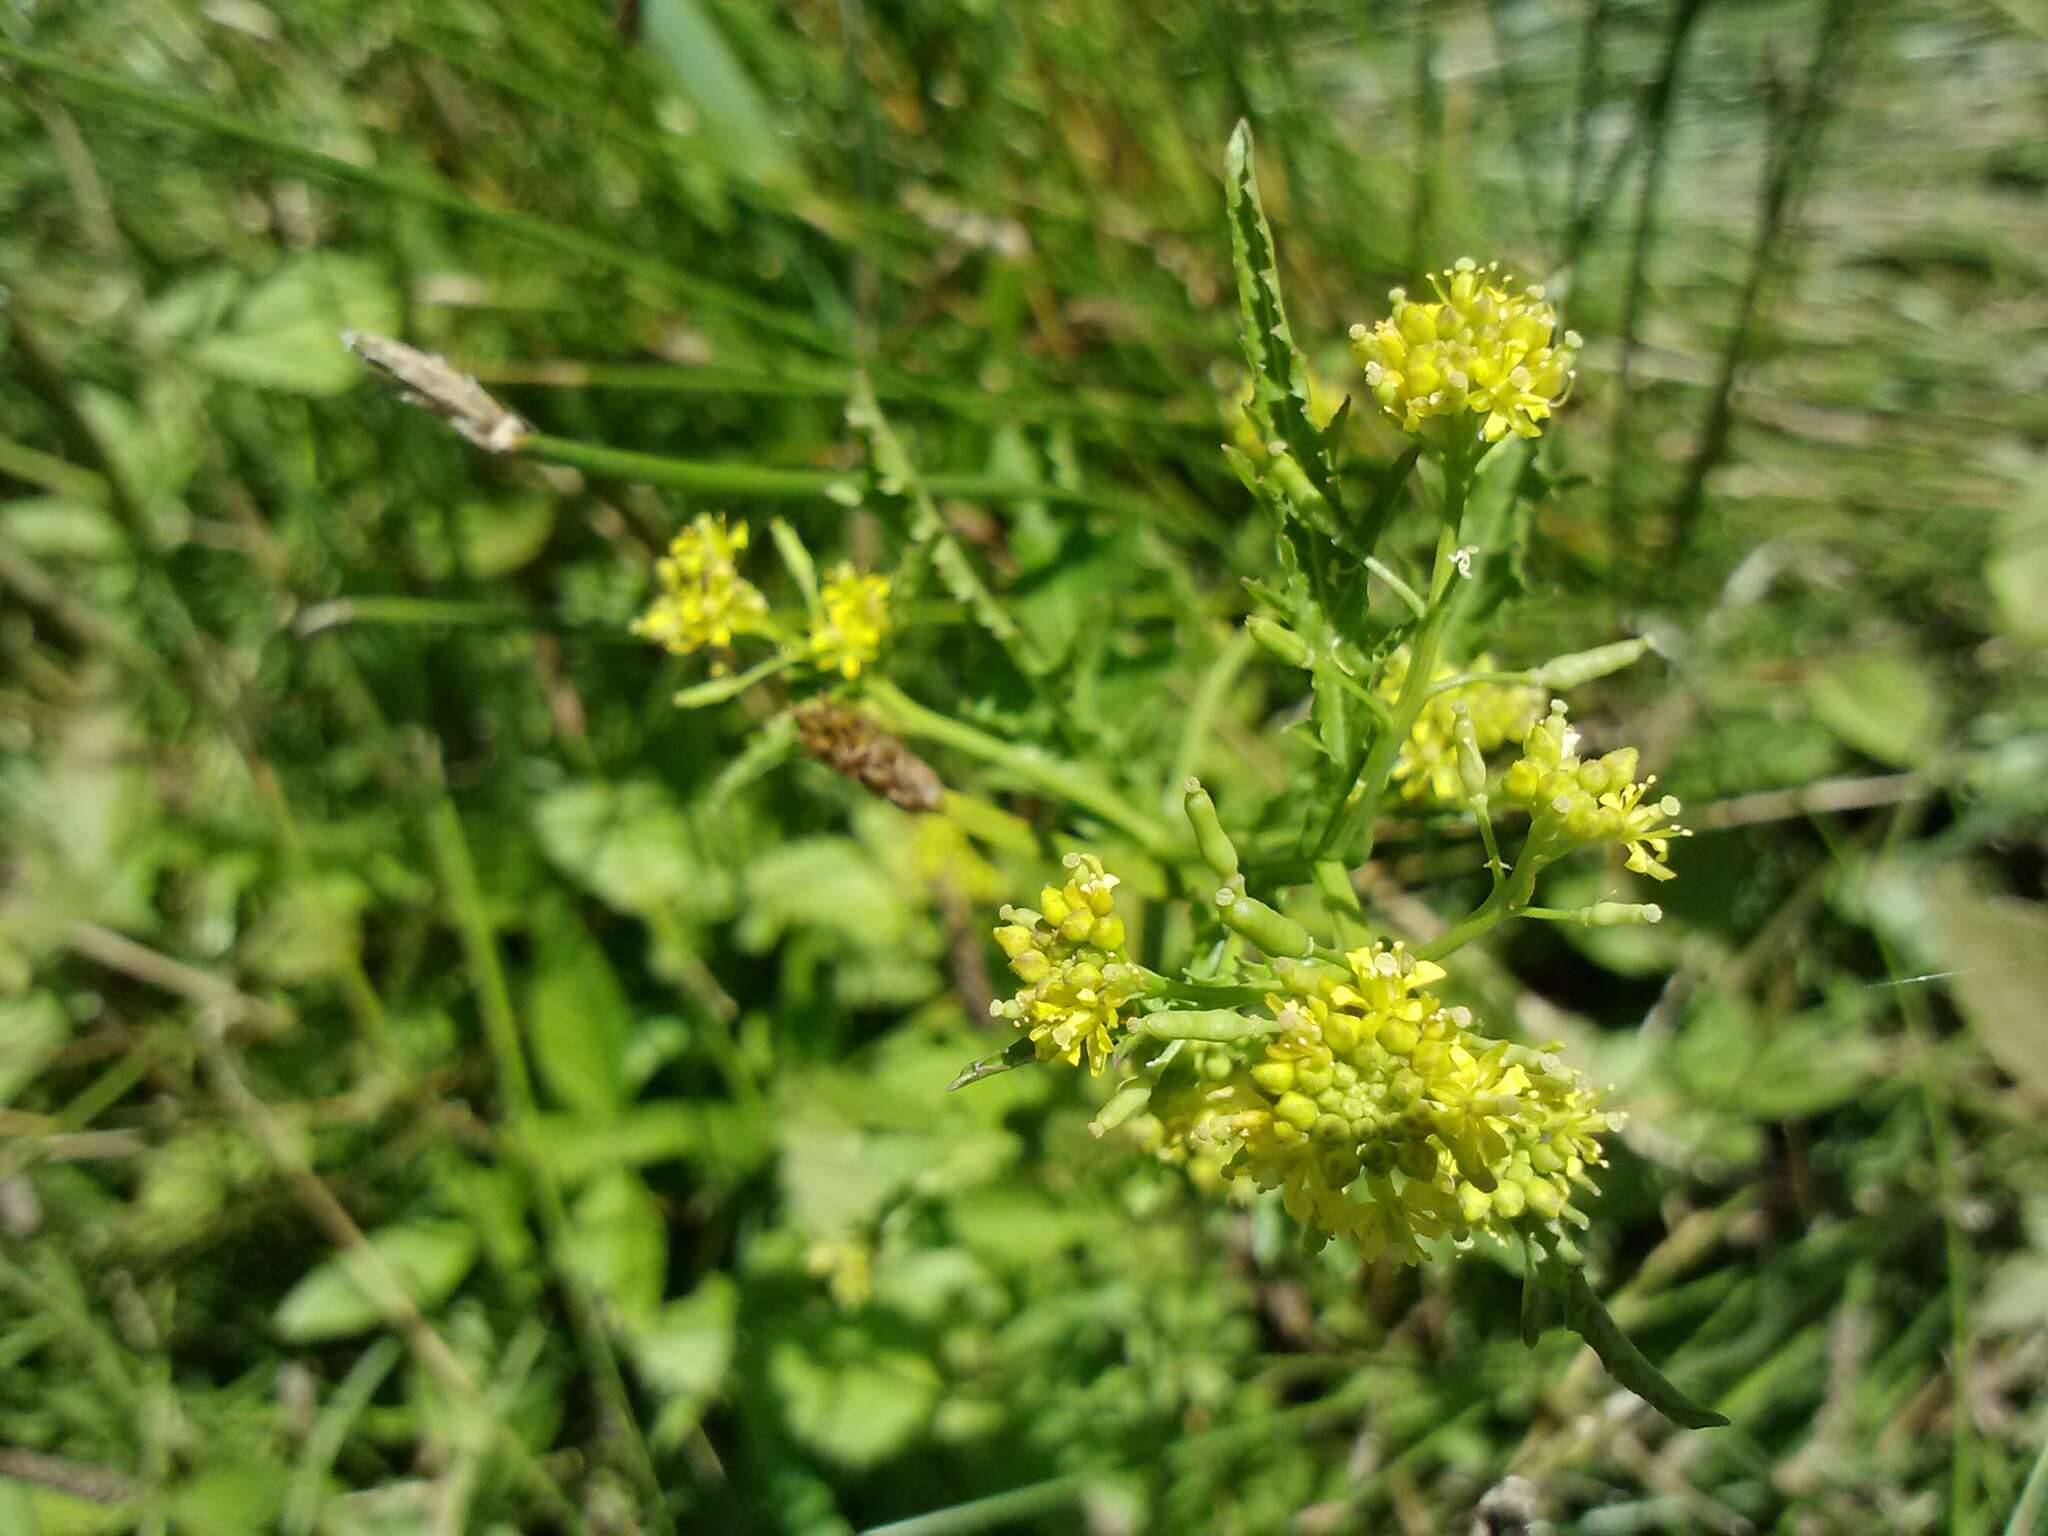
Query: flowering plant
point(1328, 1066)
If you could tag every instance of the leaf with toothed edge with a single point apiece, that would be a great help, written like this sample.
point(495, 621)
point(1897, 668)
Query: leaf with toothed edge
point(1018, 1053)
point(931, 541)
point(1587, 1316)
point(1280, 404)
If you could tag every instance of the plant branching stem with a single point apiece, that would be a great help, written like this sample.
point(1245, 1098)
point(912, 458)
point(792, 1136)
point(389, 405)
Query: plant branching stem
point(1062, 780)
point(1356, 822)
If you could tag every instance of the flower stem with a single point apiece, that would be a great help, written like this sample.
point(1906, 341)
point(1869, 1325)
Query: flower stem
point(1050, 775)
point(1356, 821)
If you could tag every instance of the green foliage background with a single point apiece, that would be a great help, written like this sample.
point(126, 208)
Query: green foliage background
point(363, 885)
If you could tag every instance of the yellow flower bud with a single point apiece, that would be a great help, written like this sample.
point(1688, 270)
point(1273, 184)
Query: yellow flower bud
point(1296, 1110)
point(1276, 1077)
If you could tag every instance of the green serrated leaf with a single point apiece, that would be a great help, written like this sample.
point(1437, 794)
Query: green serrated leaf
point(1018, 1053)
point(286, 334)
point(1279, 405)
point(1587, 1316)
point(931, 540)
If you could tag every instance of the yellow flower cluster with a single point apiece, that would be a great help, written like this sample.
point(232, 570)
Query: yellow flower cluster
point(848, 633)
point(1070, 956)
point(1384, 1119)
point(1576, 801)
point(1480, 348)
point(703, 600)
point(1427, 767)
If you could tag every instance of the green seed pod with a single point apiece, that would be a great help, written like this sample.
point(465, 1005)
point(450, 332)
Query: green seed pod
point(1293, 482)
point(1219, 1026)
point(1614, 914)
point(1563, 672)
point(1123, 1104)
point(1471, 761)
point(1214, 845)
point(1270, 930)
point(1278, 641)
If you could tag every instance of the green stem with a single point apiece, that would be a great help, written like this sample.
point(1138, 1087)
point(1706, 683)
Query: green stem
point(769, 482)
point(1356, 821)
point(1459, 680)
point(1402, 590)
point(1216, 994)
point(1509, 898)
point(1042, 772)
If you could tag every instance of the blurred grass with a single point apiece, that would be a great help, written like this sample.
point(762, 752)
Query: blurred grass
point(332, 800)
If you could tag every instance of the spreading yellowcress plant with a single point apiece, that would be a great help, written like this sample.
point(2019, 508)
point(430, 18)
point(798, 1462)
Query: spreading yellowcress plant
point(1327, 1059)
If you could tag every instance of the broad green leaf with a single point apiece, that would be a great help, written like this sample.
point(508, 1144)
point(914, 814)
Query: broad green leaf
point(849, 1400)
point(311, 930)
point(428, 1259)
point(1885, 704)
point(499, 535)
point(683, 1353)
point(229, 1500)
point(578, 1020)
point(26, 1510)
point(631, 845)
point(618, 1241)
point(287, 334)
point(730, 1139)
point(1994, 952)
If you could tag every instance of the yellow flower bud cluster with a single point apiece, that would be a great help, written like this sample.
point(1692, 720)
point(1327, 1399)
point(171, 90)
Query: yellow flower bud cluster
point(702, 598)
point(1576, 800)
point(1480, 349)
point(1384, 1119)
point(1070, 956)
point(852, 623)
point(1427, 767)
